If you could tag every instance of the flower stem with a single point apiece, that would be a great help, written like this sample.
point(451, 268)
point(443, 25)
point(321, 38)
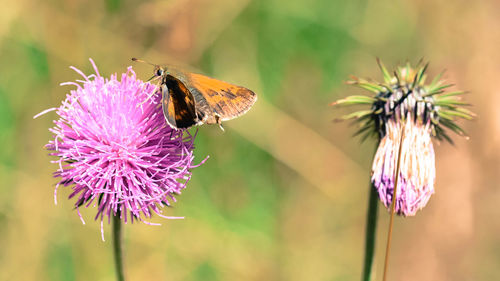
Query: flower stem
point(118, 247)
point(393, 205)
point(371, 229)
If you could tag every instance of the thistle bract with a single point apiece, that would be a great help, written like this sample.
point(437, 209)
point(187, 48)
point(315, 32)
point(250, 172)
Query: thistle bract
point(404, 108)
point(115, 149)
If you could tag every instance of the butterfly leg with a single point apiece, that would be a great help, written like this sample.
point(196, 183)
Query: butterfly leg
point(219, 121)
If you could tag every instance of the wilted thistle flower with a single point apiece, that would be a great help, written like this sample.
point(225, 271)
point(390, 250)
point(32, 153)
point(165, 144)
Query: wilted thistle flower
point(116, 150)
point(403, 105)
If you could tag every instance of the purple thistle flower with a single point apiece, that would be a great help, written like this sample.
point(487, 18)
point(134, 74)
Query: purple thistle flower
point(116, 150)
point(404, 103)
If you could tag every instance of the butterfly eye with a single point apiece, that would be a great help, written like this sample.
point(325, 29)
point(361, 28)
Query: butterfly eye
point(159, 72)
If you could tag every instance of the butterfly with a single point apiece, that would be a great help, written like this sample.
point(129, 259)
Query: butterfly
point(190, 99)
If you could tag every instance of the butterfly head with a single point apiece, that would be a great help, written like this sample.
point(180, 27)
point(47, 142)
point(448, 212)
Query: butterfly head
point(160, 71)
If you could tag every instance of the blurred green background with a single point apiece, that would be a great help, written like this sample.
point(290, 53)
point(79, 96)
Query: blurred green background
point(283, 195)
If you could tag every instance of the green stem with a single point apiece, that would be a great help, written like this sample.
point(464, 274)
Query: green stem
point(371, 229)
point(118, 247)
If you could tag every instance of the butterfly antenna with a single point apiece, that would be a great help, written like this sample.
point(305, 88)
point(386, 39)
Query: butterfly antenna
point(139, 60)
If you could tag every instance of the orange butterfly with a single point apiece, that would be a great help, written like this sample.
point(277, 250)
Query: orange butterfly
point(190, 99)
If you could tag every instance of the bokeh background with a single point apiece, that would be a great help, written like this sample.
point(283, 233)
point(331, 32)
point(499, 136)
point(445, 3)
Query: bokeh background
point(284, 193)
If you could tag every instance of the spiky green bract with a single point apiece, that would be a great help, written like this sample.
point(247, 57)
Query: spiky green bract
point(404, 94)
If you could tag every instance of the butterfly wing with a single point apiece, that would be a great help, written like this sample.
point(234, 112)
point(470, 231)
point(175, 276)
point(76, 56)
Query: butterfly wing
point(178, 104)
point(225, 101)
